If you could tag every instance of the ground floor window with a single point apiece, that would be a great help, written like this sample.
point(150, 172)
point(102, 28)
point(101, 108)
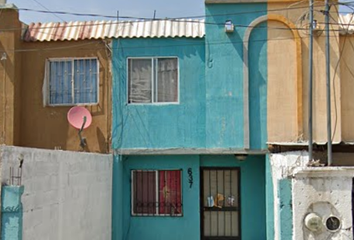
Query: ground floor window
point(156, 192)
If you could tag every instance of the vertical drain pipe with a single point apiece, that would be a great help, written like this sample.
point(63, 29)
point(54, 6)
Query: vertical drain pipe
point(328, 85)
point(310, 112)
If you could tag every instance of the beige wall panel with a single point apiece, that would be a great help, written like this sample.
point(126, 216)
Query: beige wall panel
point(319, 71)
point(47, 127)
point(281, 105)
point(347, 86)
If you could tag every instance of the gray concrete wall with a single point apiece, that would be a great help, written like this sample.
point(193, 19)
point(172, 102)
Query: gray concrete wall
point(323, 191)
point(67, 194)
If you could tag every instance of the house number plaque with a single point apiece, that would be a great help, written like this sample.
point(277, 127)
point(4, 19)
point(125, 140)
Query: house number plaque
point(190, 177)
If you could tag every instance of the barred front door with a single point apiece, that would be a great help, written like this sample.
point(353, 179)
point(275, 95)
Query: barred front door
point(220, 203)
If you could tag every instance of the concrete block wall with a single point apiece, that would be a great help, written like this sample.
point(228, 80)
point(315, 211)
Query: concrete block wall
point(67, 194)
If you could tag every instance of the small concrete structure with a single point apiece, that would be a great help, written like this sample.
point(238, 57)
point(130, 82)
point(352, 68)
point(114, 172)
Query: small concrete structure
point(326, 191)
point(299, 190)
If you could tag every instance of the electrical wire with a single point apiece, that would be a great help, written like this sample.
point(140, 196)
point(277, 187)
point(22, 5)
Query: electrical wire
point(144, 18)
point(48, 10)
point(170, 19)
point(181, 17)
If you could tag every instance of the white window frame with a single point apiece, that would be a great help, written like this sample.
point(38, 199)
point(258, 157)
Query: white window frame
point(46, 87)
point(153, 82)
point(157, 214)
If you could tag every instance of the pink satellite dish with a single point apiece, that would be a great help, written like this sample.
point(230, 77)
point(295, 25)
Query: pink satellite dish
point(76, 117)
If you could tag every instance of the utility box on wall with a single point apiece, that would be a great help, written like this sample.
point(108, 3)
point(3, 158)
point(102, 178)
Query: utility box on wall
point(322, 203)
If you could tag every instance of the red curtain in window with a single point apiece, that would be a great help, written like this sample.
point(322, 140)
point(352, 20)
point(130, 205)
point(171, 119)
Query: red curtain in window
point(170, 192)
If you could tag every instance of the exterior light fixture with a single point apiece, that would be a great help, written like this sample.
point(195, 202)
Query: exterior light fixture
point(317, 28)
point(241, 157)
point(229, 26)
point(314, 24)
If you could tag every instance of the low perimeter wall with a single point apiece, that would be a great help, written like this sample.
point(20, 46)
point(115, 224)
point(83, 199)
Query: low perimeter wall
point(67, 195)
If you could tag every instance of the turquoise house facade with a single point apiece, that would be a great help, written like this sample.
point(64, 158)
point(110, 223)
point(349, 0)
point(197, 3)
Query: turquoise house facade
point(222, 181)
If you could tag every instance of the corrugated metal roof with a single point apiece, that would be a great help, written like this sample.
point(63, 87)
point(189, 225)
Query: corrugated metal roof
point(190, 28)
point(346, 24)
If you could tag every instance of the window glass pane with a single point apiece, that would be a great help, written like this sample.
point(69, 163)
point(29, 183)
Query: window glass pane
point(167, 80)
point(144, 192)
point(60, 86)
point(170, 192)
point(139, 80)
point(85, 81)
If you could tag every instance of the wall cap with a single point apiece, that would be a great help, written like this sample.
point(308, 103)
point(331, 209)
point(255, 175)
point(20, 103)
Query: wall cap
point(188, 151)
point(8, 6)
point(329, 172)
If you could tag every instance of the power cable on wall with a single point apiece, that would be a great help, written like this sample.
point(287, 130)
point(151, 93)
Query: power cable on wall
point(3, 59)
point(334, 75)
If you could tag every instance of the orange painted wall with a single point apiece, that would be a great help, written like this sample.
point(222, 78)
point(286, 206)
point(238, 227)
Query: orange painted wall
point(24, 120)
point(47, 127)
point(9, 77)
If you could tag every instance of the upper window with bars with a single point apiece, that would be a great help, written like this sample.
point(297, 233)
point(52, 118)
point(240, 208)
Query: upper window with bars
point(153, 80)
point(156, 192)
point(72, 81)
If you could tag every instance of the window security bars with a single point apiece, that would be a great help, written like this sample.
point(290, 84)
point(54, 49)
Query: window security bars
point(220, 204)
point(156, 192)
point(152, 80)
point(73, 81)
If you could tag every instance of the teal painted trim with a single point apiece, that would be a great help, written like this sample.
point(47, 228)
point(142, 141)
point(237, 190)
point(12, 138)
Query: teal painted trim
point(11, 212)
point(258, 74)
point(253, 202)
point(285, 209)
point(269, 200)
point(117, 198)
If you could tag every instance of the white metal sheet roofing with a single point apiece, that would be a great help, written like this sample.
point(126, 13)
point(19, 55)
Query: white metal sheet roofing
point(189, 28)
point(346, 24)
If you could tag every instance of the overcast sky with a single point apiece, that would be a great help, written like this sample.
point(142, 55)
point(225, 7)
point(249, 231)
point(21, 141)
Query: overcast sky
point(135, 8)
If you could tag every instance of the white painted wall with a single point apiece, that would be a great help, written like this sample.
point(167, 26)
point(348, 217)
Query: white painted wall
point(323, 190)
point(67, 194)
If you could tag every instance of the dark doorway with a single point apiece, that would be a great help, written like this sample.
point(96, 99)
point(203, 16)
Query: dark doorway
point(220, 203)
